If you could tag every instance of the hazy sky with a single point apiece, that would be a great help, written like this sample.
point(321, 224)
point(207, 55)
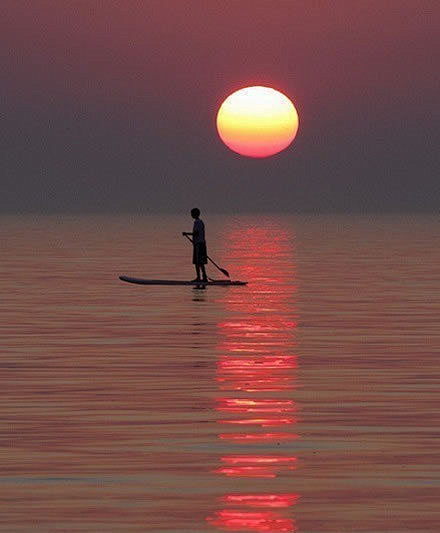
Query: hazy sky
point(110, 105)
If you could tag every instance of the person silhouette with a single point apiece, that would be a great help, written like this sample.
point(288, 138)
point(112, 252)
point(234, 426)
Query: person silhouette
point(200, 254)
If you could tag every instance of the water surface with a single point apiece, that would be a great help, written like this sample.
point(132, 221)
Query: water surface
point(306, 402)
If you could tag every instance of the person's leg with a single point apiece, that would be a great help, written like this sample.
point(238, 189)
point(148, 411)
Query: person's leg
point(196, 261)
point(204, 276)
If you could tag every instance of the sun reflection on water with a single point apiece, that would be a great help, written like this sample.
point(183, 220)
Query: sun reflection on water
point(264, 521)
point(256, 379)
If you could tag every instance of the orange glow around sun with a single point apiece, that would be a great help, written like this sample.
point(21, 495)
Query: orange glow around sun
point(257, 121)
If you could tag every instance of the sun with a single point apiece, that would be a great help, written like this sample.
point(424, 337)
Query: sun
point(257, 121)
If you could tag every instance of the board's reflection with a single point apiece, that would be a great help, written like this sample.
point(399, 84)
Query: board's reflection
point(256, 378)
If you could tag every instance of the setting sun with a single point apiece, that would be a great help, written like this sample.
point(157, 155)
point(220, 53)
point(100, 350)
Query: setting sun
point(257, 121)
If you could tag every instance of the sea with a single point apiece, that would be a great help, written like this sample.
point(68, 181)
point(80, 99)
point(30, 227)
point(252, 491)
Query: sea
point(307, 401)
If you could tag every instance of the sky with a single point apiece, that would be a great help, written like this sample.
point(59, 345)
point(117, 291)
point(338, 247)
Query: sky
point(110, 105)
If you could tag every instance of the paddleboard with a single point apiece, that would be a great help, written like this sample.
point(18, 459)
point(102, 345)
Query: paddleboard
point(140, 281)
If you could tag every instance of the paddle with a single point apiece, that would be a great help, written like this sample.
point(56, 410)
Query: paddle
point(222, 270)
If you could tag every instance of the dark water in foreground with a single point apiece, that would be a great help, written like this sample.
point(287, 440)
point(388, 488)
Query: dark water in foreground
point(306, 402)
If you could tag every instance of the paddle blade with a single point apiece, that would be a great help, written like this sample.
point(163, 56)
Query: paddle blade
point(225, 272)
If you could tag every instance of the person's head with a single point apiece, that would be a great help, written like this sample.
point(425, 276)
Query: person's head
point(195, 212)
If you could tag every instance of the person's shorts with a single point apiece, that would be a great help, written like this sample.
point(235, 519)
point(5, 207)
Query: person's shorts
point(200, 254)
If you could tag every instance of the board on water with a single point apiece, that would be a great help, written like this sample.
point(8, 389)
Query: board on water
point(140, 281)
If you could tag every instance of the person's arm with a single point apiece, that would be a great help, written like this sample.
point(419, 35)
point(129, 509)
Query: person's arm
point(187, 233)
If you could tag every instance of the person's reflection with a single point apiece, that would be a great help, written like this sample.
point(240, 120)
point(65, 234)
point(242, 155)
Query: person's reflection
point(199, 293)
point(256, 379)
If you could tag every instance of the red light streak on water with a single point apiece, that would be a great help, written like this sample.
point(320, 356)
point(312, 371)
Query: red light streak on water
point(260, 522)
point(249, 405)
point(262, 500)
point(255, 325)
point(265, 466)
point(263, 422)
point(246, 471)
point(260, 330)
point(256, 386)
point(256, 374)
point(266, 364)
point(260, 385)
point(258, 437)
point(258, 459)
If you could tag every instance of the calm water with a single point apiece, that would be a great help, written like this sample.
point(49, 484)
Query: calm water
point(306, 402)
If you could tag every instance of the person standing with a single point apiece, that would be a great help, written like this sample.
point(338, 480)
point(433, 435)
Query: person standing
point(200, 254)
